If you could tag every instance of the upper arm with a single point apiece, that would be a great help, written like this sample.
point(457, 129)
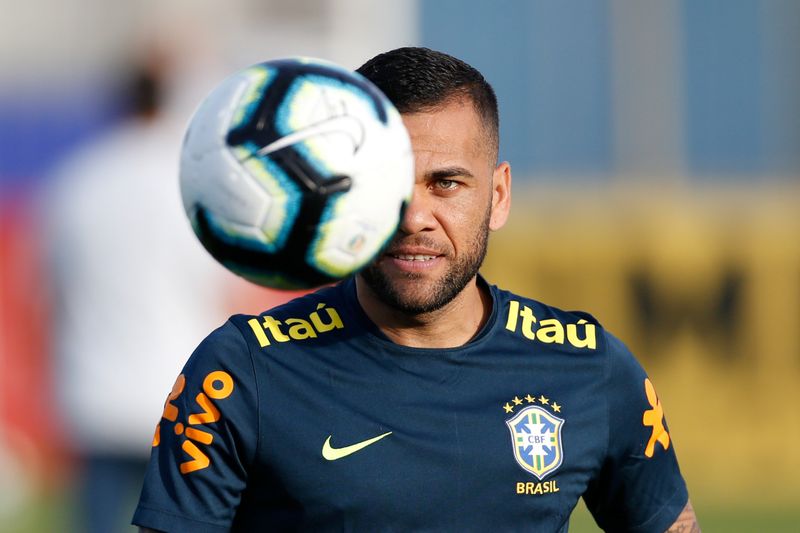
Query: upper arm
point(205, 441)
point(639, 486)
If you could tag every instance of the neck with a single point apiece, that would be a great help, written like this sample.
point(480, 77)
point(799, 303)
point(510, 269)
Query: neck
point(448, 327)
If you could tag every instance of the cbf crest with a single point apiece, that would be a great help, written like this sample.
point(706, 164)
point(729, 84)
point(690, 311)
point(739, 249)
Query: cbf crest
point(536, 436)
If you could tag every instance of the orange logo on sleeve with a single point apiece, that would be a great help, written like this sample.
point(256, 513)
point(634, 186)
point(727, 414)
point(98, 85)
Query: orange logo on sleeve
point(654, 418)
point(217, 385)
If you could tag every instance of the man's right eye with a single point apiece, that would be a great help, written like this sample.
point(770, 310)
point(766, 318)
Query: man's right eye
point(446, 185)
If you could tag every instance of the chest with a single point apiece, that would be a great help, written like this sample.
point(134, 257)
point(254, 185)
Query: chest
point(448, 442)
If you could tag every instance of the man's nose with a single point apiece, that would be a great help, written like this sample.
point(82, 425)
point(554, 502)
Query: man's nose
point(419, 214)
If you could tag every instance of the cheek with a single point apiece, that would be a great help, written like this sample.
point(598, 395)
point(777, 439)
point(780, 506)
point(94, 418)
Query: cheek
point(462, 219)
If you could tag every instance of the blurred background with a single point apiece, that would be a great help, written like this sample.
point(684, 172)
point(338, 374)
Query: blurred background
point(655, 148)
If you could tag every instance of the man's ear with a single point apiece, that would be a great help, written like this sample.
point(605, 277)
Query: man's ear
point(501, 196)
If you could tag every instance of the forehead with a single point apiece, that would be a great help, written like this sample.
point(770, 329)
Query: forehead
point(451, 131)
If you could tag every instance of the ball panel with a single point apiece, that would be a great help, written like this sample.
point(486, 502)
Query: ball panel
point(225, 231)
point(278, 270)
point(344, 245)
point(259, 78)
point(285, 198)
point(318, 112)
point(234, 195)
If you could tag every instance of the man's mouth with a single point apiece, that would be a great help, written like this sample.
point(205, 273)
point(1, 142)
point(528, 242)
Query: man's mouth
point(413, 257)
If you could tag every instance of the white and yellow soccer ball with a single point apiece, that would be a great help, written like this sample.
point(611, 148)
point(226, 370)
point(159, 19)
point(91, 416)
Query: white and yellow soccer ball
point(294, 173)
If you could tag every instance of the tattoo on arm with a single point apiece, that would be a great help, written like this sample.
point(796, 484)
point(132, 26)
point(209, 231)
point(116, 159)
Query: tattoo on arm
point(686, 522)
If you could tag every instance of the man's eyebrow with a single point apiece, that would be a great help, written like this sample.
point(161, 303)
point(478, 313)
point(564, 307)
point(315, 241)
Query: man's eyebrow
point(449, 172)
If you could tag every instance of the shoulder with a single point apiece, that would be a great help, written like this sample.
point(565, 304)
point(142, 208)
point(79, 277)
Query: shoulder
point(303, 318)
point(571, 334)
point(224, 348)
point(569, 331)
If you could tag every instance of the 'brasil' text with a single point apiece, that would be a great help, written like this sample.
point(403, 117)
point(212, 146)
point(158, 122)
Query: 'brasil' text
point(543, 487)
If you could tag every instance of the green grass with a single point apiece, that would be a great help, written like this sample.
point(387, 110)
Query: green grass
point(52, 512)
point(716, 518)
point(43, 514)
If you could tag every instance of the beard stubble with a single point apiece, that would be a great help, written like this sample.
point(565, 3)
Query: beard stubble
point(444, 289)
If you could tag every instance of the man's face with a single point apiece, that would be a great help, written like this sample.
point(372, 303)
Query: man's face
point(442, 238)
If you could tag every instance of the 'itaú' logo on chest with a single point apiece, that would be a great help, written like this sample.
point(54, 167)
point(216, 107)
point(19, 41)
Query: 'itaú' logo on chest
point(581, 334)
point(296, 329)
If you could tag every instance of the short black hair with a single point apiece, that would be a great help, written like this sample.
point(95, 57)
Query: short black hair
point(418, 79)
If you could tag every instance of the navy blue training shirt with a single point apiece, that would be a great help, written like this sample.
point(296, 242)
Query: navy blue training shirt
point(308, 418)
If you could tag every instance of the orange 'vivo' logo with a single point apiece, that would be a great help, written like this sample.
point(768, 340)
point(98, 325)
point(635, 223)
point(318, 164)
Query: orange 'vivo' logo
point(217, 385)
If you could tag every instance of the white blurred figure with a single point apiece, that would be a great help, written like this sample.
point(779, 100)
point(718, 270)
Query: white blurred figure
point(133, 293)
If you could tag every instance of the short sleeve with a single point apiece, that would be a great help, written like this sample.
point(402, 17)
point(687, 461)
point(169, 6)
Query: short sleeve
point(640, 487)
point(205, 441)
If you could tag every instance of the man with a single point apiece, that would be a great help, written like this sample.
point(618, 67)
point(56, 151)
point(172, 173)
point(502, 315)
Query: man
point(415, 396)
point(115, 232)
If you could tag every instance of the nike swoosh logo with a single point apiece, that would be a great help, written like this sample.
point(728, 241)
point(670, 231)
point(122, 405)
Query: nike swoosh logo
point(332, 454)
point(345, 125)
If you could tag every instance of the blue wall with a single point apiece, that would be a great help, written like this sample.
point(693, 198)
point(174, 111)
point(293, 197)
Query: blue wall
point(549, 63)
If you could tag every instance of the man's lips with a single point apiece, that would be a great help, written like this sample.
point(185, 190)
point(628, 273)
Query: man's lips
point(413, 253)
point(413, 259)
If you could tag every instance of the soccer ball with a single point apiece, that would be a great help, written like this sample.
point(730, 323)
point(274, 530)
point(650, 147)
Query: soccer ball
point(294, 173)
